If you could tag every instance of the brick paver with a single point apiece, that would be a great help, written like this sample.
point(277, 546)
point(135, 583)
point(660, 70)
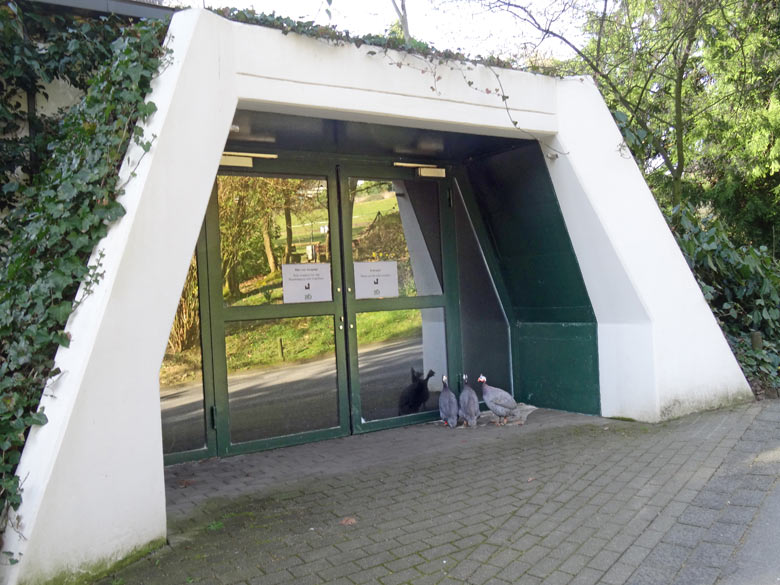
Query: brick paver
point(565, 499)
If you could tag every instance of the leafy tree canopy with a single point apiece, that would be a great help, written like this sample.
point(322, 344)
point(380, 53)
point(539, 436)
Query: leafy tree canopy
point(694, 87)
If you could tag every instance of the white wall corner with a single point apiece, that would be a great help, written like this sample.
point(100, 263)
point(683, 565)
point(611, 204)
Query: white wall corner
point(93, 476)
point(661, 352)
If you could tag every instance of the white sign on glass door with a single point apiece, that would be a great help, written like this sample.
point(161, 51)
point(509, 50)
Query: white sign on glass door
point(375, 280)
point(306, 283)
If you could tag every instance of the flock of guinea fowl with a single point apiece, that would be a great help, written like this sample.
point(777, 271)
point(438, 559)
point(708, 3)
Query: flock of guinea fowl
point(499, 401)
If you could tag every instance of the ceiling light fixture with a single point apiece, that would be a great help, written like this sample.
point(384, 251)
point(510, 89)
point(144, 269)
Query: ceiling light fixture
point(411, 165)
point(434, 173)
point(252, 154)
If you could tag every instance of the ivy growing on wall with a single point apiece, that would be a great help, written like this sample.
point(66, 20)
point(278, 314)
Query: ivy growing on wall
point(58, 188)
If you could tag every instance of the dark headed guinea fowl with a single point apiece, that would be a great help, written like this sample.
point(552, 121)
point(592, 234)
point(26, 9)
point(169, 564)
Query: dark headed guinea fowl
point(499, 401)
point(415, 394)
point(469, 404)
point(448, 405)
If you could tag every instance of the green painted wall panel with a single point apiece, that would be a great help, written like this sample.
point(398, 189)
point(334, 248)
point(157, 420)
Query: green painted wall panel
point(524, 222)
point(539, 285)
point(558, 366)
point(555, 331)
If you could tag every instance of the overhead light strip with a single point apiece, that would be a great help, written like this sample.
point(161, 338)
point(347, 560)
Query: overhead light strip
point(411, 165)
point(252, 154)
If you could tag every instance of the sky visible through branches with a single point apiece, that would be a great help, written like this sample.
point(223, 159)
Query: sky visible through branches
point(465, 25)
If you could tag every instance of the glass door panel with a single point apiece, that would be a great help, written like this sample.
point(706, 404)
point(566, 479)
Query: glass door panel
point(281, 377)
point(273, 230)
point(395, 238)
point(182, 398)
point(401, 357)
point(394, 257)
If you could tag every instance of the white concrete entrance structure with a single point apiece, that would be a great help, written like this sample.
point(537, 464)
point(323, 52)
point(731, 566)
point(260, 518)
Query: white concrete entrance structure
point(93, 476)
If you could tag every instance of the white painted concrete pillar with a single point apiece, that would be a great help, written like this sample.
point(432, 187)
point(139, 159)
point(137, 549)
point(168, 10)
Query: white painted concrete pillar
point(661, 352)
point(93, 476)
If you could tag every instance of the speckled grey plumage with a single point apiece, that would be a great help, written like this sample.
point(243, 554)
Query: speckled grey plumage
point(448, 404)
point(469, 404)
point(497, 400)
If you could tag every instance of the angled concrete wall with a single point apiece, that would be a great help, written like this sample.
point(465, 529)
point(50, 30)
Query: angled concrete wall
point(93, 476)
point(661, 352)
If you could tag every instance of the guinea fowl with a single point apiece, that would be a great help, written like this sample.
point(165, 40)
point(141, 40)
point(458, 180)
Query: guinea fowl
point(499, 401)
point(469, 404)
point(415, 394)
point(448, 405)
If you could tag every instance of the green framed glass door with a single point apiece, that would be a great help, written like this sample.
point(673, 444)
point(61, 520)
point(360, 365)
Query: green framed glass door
point(186, 389)
point(276, 309)
point(328, 305)
point(400, 301)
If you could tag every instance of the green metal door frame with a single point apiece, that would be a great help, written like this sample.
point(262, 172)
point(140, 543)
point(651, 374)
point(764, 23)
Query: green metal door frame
point(448, 300)
point(221, 315)
point(207, 361)
point(343, 307)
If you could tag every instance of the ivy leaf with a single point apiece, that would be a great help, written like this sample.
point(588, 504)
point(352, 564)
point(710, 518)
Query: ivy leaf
point(38, 418)
point(62, 338)
point(61, 311)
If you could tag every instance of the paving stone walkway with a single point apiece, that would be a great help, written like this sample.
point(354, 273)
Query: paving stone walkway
point(563, 500)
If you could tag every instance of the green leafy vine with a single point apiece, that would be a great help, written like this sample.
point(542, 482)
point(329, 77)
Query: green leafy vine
point(58, 190)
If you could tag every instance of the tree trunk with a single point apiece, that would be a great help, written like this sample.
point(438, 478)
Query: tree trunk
point(288, 230)
point(234, 290)
point(679, 122)
point(327, 246)
point(269, 250)
point(403, 18)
